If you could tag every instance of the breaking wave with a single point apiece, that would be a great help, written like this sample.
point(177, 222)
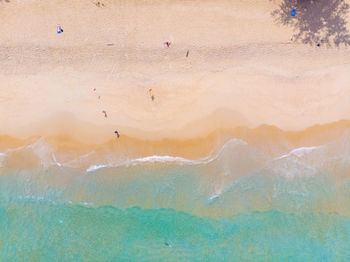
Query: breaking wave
point(237, 177)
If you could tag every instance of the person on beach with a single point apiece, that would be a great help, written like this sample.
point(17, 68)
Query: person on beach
point(116, 132)
point(59, 29)
point(104, 112)
point(167, 43)
point(151, 94)
point(99, 4)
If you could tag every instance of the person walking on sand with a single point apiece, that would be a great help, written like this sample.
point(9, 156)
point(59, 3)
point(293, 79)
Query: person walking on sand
point(116, 132)
point(167, 43)
point(104, 112)
point(151, 94)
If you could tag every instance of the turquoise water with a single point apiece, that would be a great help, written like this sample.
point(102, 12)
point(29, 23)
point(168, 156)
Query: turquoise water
point(239, 205)
point(44, 231)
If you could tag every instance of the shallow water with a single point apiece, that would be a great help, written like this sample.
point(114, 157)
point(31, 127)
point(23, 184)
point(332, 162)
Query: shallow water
point(240, 204)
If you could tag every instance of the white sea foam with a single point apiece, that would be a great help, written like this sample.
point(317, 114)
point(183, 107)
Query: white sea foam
point(213, 197)
point(299, 161)
point(48, 158)
point(40, 148)
point(299, 152)
point(2, 155)
point(165, 159)
point(170, 159)
point(96, 167)
point(148, 159)
point(31, 197)
point(54, 159)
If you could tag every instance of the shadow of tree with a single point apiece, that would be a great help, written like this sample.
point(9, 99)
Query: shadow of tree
point(316, 21)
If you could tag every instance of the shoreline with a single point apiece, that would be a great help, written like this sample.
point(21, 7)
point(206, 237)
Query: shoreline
point(269, 139)
point(217, 168)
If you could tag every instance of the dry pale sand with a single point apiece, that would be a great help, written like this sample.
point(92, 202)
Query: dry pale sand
point(242, 70)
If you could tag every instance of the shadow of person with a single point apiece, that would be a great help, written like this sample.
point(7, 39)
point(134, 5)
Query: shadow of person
point(316, 22)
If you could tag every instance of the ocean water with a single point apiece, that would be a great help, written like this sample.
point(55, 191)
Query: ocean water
point(239, 204)
point(43, 231)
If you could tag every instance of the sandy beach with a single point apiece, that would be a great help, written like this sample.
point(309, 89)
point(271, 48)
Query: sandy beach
point(242, 70)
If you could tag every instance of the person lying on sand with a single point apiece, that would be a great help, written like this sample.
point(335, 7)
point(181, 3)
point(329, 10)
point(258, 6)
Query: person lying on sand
point(59, 29)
